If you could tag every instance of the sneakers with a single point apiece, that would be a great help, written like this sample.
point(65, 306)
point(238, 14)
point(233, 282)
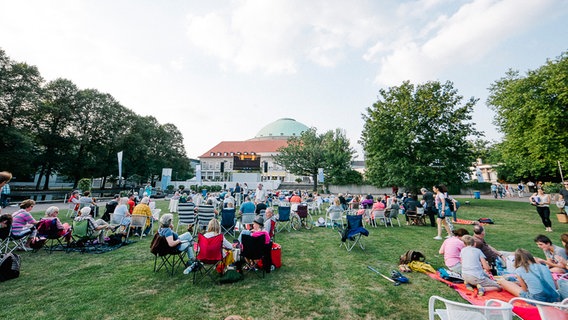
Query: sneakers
point(446, 237)
point(191, 267)
point(469, 286)
point(480, 290)
point(437, 238)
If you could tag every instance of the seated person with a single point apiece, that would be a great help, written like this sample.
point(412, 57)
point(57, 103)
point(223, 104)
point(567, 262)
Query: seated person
point(51, 214)
point(268, 223)
point(554, 254)
point(87, 201)
point(259, 207)
point(534, 279)
point(451, 249)
point(368, 202)
point(336, 206)
point(257, 230)
point(214, 229)
point(122, 214)
point(110, 206)
point(474, 268)
point(5, 224)
point(23, 223)
point(295, 198)
point(410, 204)
point(394, 208)
point(247, 206)
point(96, 226)
point(143, 208)
point(228, 200)
point(182, 242)
point(379, 205)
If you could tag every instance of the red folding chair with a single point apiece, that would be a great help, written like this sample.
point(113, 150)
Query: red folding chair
point(209, 255)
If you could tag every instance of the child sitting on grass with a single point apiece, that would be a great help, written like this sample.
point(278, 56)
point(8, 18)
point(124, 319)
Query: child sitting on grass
point(474, 268)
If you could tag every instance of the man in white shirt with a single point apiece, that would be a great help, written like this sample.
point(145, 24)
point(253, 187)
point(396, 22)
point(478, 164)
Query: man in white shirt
point(260, 194)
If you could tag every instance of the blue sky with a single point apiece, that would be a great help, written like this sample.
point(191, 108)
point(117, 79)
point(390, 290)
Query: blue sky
point(221, 70)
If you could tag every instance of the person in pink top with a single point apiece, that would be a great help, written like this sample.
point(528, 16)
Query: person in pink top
point(451, 249)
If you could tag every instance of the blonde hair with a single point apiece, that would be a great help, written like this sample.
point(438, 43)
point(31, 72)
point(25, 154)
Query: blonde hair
point(214, 226)
point(336, 201)
point(51, 211)
point(27, 203)
point(468, 240)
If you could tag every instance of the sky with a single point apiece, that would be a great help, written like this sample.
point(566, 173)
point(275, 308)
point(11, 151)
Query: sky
point(222, 70)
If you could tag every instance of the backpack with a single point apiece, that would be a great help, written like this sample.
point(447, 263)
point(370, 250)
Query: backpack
point(486, 220)
point(421, 266)
point(450, 204)
point(450, 275)
point(410, 256)
point(159, 245)
point(9, 266)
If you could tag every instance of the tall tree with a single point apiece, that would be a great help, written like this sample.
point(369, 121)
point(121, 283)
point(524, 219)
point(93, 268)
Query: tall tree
point(305, 154)
point(532, 113)
point(20, 91)
point(416, 136)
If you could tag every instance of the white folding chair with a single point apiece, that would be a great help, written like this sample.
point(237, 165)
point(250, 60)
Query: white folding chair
point(492, 310)
point(378, 215)
point(137, 221)
point(334, 216)
point(547, 310)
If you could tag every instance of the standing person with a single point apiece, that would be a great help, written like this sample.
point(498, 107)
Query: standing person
point(5, 177)
point(245, 189)
point(443, 211)
point(451, 249)
point(110, 207)
point(542, 203)
point(260, 194)
point(4, 195)
point(429, 205)
point(475, 268)
point(534, 279)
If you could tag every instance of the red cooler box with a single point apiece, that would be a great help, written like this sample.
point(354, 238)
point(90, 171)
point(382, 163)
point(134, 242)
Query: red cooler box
point(276, 255)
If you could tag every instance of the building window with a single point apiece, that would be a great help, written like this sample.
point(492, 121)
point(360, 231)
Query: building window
point(212, 154)
point(219, 153)
point(225, 153)
point(232, 154)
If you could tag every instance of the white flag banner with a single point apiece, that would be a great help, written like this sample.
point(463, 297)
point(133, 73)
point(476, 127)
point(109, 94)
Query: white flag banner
point(119, 155)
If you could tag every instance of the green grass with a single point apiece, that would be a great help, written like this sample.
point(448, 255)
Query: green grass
point(318, 280)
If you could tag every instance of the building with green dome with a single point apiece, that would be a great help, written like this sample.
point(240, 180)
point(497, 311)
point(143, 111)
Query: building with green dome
point(230, 159)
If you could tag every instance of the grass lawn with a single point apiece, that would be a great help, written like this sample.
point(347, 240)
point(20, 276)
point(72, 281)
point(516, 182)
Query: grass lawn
point(318, 280)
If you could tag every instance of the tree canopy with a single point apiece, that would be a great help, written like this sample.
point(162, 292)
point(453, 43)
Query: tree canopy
point(305, 154)
point(532, 113)
point(59, 128)
point(416, 136)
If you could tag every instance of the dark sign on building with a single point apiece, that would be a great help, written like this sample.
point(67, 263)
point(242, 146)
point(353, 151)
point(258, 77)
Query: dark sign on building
point(246, 163)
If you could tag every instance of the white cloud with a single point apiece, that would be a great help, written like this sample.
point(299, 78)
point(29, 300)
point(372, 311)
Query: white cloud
point(276, 36)
point(461, 38)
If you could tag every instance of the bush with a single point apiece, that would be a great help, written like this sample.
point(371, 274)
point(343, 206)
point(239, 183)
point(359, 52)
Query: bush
point(552, 187)
point(84, 184)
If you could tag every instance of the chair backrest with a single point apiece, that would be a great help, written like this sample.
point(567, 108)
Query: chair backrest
point(186, 213)
point(335, 213)
point(283, 213)
point(138, 221)
point(48, 228)
point(115, 219)
point(272, 228)
point(247, 218)
point(492, 310)
point(294, 206)
point(205, 213)
point(378, 214)
point(354, 221)
point(81, 229)
point(253, 247)
point(420, 211)
point(547, 310)
point(160, 247)
point(156, 214)
point(302, 210)
point(228, 217)
point(210, 250)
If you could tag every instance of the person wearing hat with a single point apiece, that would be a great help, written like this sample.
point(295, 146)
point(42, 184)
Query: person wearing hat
point(257, 230)
point(97, 226)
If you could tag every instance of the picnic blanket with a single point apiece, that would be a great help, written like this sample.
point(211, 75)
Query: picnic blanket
point(467, 222)
point(522, 310)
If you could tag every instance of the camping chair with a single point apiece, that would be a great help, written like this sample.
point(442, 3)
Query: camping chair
point(416, 217)
point(137, 221)
point(47, 228)
point(205, 213)
point(82, 236)
point(228, 221)
point(302, 218)
point(255, 250)
point(18, 241)
point(547, 310)
point(247, 220)
point(493, 309)
point(284, 219)
point(335, 217)
point(209, 255)
point(170, 257)
point(5, 239)
point(352, 232)
point(186, 214)
point(380, 217)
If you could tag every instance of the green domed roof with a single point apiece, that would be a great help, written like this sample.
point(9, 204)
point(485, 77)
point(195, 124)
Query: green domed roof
point(281, 128)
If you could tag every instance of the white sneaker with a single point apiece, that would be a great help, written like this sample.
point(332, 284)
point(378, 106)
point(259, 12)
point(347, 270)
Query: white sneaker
point(437, 238)
point(447, 237)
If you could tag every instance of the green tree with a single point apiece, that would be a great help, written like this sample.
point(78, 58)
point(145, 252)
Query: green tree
point(20, 91)
point(532, 113)
point(416, 136)
point(305, 154)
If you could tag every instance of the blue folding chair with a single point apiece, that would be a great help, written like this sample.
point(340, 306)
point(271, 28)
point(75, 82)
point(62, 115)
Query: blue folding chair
point(352, 232)
point(284, 219)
